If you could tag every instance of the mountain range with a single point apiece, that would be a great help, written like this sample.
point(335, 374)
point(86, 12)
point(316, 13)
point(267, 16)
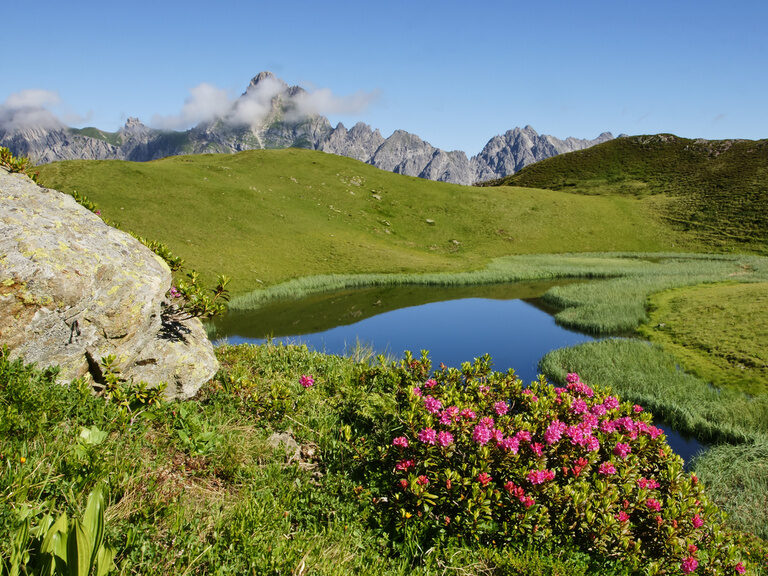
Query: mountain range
point(270, 114)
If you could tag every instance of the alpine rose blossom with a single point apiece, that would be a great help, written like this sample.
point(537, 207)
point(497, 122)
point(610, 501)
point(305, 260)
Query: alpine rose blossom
point(422, 480)
point(501, 408)
point(622, 516)
point(467, 414)
point(431, 383)
point(697, 521)
point(607, 468)
point(400, 442)
point(484, 478)
point(405, 465)
point(540, 476)
point(554, 432)
point(653, 504)
point(306, 381)
point(445, 439)
point(622, 450)
point(481, 434)
point(427, 436)
point(740, 568)
point(433, 405)
point(689, 565)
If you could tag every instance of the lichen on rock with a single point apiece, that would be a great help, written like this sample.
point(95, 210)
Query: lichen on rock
point(74, 289)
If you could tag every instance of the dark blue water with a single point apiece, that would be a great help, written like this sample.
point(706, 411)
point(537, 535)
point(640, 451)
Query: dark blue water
point(510, 324)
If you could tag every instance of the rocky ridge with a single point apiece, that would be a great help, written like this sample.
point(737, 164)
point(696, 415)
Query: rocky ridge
point(284, 124)
point(74, 290)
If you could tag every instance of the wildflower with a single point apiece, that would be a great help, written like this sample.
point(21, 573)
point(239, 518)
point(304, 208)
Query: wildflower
point(694, 479)
point(467, 414)
point(740, 568)
point(653, 504)
point(306, 381)
point(400, 442)
point(523, 436)
point(97, 212)
point(484, 390)
point(445, 438)
point(447, 520)
point(416, 391)
point(697, 521)
point(578, 406)
point(637, 408)
point(433, 405)
point(536, 448)
point(404, 484)
point(405, 465)
point(175, 292)
point(611, 403)
point(572, 378)
point(497, 435)
point(689, 565)
point(448, 484)
point(422, 480)
point(593, 444)
point(540, 476)
point(449, 415)
point(484, 478)
point(528, 501)
point(598, 410)
point(648, 483)
point(501, 408)
point(622, 516)
point(511, 444)
point(554, 432)
point(22, 460)
point(481, 434)
point(607, 469)
point(431, 383)
point(622, 450)
point(427, 436)
point(692, 548)
point(487, 421)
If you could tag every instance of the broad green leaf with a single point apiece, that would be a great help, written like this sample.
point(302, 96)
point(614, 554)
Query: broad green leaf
point(78, 551)
point(93, 522)
point(105, 560)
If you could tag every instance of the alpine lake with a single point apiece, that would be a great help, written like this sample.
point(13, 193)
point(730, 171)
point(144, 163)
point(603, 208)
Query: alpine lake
point(455, 324)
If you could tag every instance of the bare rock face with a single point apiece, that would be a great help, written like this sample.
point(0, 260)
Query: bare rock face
point(74, 290)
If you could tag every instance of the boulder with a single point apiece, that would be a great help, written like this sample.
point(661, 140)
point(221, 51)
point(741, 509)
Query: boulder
point(74, 290)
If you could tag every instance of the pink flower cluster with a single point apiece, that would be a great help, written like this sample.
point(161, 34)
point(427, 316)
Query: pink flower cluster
point(400, 442)
point(607, 468)
point(306, 381)
point(648, 483)
point(517, 492)
point(427, 436)
point(689, 564)
point(540, 476)
point(622, 450)
point(433, 405)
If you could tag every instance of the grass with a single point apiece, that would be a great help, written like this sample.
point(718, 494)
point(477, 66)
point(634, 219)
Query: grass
point(735, 470)
point(719, 332)
point(717, 189)
point(197, 488)
point(265, 217)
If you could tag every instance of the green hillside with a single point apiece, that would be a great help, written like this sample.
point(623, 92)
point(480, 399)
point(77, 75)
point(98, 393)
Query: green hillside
point(719, 188)
point(266, 216)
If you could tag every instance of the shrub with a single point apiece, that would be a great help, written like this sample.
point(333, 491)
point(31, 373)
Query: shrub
point(476, 456)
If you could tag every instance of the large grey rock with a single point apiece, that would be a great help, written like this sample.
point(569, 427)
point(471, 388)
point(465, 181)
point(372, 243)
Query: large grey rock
point(283, 122)
point(74, 290)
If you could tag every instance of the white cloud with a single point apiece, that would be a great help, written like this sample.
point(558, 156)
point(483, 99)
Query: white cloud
point(205, 102)
point(30, 109)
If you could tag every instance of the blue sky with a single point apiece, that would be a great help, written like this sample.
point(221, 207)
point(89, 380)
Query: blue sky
point(455, 73)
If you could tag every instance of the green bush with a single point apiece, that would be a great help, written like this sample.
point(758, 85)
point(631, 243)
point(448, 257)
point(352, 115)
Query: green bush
point(475, 456)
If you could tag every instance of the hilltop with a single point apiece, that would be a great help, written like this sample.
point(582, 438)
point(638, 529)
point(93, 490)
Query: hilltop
point(271, 114)
point(718, 188)
point(266, 216)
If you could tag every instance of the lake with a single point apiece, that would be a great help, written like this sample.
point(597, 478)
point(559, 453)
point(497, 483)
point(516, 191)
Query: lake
point(456, 324)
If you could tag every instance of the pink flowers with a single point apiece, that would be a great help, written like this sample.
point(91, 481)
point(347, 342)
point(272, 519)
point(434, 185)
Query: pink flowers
point(445, 439)
point(607, 469)
point(540, 476)
point(416, 391)
point(653, 504)
point(422, 480)
point(400, 442)
point(427, 436)
point(449, 416)
point(468, 414)
point(689, 564)
point(622, 450)
point(306, 381)
point(611, 403)
point(554, 432)
point(501, 408)
point(637, 408)
point(648, 483)
point(622, 516)
point(482, 434)
point(431, 383)
point(578, 406)
point(175, 293)
point(405, 465)
point(433, 405)
point(740, 568)
point(697, 521)
point(484, 478)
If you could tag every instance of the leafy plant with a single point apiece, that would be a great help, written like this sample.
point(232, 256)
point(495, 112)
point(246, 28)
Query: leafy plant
point(475, 456)
point(19, 164)
point(196, 436)
point(66, 547)
point(131, 397)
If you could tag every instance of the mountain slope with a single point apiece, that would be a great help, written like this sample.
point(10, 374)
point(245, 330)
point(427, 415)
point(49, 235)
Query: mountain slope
point(718, 188)
point(272, 114)
point(266, 216)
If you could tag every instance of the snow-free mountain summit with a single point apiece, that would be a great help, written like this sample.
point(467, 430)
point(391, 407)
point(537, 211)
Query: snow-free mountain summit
point(272, 114)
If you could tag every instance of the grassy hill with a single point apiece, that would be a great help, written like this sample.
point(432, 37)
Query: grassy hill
point(266, 216)
point(719, 188)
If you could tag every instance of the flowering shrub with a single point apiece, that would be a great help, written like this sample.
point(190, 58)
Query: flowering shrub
point(476, 456)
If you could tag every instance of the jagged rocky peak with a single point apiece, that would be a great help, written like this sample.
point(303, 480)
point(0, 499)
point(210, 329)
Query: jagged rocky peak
point(133, 123)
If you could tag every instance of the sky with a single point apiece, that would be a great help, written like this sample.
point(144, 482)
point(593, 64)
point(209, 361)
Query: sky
point(454, 72)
